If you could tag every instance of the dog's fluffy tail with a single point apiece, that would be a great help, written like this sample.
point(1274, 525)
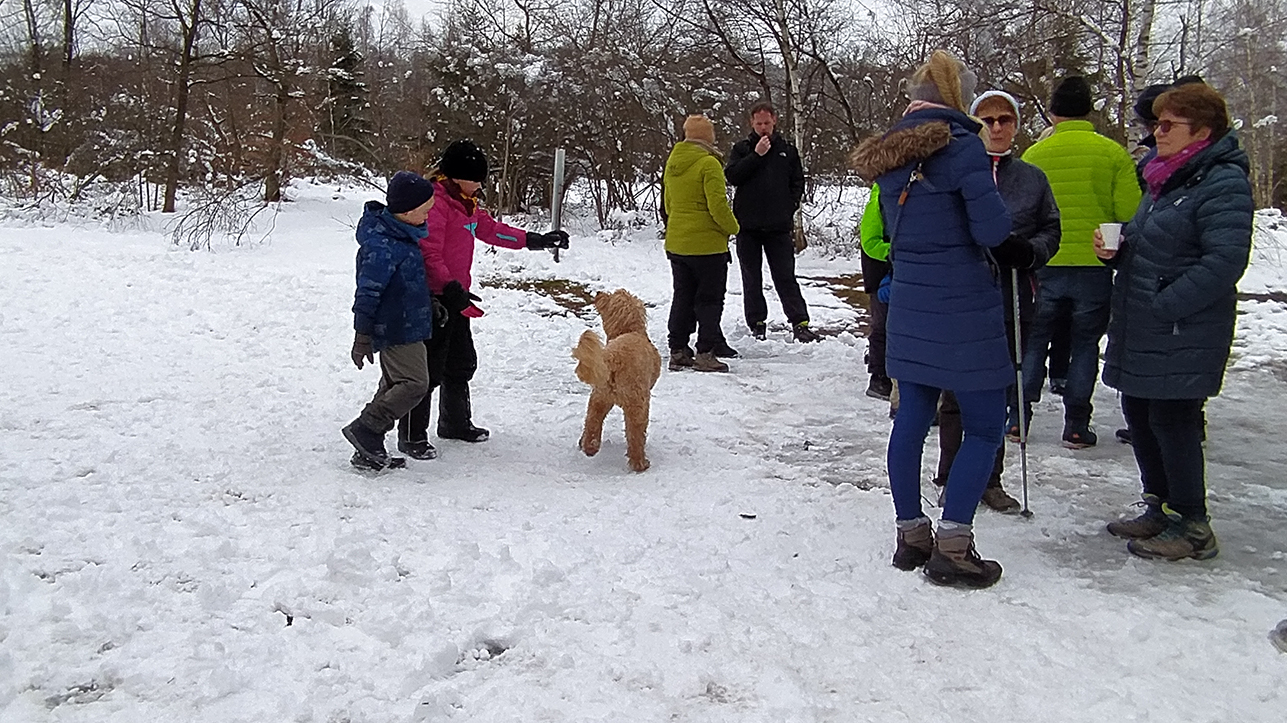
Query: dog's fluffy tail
point(592, 368)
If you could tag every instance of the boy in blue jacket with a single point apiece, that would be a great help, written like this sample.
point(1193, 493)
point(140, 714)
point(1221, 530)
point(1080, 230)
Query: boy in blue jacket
point(393, 313)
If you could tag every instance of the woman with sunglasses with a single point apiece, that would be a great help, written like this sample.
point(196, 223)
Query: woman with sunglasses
point(1173, 309)
point(1034, 235)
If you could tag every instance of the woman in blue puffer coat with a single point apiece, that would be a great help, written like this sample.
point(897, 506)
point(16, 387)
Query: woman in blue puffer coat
point(1173, 310)
point(946, 328)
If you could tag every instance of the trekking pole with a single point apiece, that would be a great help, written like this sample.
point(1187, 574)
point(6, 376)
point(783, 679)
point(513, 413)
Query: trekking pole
point(1023, 417)
point(556, 199)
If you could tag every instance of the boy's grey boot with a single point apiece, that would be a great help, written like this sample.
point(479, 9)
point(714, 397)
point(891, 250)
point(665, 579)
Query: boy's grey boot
point(1186, 537)
point(1150, 523)
point(955, 563)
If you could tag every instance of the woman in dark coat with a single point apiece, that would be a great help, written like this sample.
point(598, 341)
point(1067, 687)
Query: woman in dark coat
point(946, 326)
point(1034, 221)
point(1173, 309)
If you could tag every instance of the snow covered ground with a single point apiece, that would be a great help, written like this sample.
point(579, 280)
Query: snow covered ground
point(182, 539)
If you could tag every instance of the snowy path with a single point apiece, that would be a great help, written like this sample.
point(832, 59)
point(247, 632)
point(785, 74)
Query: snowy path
point(173, 486)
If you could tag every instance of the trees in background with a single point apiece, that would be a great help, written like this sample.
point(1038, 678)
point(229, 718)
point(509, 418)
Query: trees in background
point(161, 95)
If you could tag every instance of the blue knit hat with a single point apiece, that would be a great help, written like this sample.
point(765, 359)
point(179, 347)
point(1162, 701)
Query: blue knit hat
point(407, 191)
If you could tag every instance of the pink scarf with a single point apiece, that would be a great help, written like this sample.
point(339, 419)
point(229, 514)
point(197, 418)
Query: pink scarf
point(1159, 170)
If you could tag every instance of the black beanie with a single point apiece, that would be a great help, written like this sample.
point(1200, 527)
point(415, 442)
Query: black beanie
point(1071, 98)
point(464, 161)
point(407, 191)
point(1144, 104)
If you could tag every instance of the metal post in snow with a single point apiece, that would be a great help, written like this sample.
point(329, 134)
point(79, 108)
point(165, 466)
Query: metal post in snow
point(556, 200)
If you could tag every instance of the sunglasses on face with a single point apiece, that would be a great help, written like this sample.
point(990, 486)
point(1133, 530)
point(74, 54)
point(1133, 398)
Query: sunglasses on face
point(1005, 120)
point(1166, 125)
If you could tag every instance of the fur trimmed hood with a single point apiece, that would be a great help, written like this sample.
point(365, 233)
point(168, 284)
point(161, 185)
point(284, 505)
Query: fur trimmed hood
point(919, 135)
point(879, 155)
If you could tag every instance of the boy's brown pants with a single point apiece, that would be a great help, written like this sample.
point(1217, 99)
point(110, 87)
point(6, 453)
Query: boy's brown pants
point(404, 381)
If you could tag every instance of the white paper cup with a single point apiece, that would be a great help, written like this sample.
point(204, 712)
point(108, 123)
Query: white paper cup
point(1112, 233)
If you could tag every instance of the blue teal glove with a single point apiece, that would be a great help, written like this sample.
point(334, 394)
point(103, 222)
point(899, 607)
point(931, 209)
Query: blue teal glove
point(882, 293)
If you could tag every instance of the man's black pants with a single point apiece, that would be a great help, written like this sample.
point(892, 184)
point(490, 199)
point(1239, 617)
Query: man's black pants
point(755, 245)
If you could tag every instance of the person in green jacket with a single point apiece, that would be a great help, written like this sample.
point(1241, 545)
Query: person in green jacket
point(1094, 182)
point(875, 267)
point(699, 222)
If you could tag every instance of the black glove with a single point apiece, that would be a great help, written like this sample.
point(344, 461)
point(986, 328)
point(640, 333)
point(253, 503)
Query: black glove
point(455, 298)
point(551, 240)
point(1014, 253)
point(361, 350)
point(439, 313)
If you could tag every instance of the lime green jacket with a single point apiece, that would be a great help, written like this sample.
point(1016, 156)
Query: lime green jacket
point(695, 200)
point(871, 229)
point(1094, 182)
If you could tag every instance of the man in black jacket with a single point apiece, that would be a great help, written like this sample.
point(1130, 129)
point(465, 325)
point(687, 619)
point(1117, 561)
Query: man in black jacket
point(769, 178)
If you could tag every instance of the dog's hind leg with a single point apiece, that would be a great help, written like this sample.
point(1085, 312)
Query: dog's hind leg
point(595, 412)
point(636, 413)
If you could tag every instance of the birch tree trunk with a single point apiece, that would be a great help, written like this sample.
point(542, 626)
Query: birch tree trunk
point(1142, 64)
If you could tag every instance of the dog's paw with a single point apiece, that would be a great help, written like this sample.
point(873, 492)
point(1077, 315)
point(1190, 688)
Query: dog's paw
point(589, 446)
point(641, 464)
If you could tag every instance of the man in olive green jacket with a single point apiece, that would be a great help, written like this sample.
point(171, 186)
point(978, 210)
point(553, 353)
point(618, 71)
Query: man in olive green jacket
point(699, 222)
point(1093, 179)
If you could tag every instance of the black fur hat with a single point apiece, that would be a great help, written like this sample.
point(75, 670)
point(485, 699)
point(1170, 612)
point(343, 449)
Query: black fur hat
point(464, 161)
point(1144, 104)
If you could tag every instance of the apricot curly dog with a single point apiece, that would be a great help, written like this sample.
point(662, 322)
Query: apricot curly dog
point(621, 374)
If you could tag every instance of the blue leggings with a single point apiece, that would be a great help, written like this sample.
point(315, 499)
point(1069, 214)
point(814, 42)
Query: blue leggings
point(983, 417)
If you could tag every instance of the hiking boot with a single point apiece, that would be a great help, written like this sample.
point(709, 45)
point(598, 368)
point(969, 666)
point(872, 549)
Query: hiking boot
point(1123, 436)
point(417, 450)
point(804, 334)
point(914, 546)
point(1150, 523)
point(999, 500)
point(723, 351)
point(1079, 435)
point(681, 359)
point(706, 362)
point(1012, 427)
point(955, 563)
point(880, 387)
point(1186, 537)
point(1057, 386)
point(760, 330)
point(468, 433)
point(368, 443)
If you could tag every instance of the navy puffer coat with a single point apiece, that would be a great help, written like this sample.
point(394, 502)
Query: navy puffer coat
point(946, 325)
point(1175, 294)
point(392, 304)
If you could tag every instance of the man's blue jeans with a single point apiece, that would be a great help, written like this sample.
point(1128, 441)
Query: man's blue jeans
point(1075, 298)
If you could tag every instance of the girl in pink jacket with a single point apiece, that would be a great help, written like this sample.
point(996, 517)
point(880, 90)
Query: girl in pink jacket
point(455, 222)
